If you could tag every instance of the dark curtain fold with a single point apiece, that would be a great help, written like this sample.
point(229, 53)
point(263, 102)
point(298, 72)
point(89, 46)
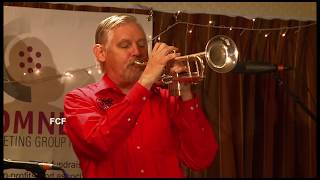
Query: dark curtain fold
point(262, 131)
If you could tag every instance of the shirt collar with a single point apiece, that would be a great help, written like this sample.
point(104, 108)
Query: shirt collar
point(106, 84)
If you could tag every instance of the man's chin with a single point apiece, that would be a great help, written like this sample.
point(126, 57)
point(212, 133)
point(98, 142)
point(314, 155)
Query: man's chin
point(136, 69)
point(134, 75)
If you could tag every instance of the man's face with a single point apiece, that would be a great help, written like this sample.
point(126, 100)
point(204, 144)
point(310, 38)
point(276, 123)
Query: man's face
point(125, 44)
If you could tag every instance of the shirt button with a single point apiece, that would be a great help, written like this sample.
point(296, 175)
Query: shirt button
point(141, 171)
point(108, 131)
point(192, 108)
point(202, 129)
point(138, 147)
point(144, 98)
point(197, 105)
point(129, 119)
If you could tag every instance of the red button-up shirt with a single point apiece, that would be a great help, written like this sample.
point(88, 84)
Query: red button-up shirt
point(146, 133)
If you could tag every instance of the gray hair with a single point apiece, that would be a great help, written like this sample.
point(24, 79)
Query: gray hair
point(109, 23)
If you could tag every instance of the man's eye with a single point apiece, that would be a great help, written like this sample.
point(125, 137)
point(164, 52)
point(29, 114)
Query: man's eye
point(124, 45)
point(142, 44)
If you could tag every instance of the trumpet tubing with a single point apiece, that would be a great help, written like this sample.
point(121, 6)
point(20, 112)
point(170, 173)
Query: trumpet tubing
point(186, 57)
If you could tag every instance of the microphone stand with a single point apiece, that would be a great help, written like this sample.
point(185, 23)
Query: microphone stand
point(294, 97)
point(38, 172)
point(41, 173)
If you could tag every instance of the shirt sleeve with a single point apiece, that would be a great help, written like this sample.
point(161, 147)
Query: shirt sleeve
point(197, 142)
point(93, 133)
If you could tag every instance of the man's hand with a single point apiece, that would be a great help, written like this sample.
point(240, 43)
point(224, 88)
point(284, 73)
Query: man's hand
point(161, 54)
point(186, 93)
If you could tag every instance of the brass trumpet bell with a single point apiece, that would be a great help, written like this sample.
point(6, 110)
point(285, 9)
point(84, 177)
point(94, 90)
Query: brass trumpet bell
point(221, 55)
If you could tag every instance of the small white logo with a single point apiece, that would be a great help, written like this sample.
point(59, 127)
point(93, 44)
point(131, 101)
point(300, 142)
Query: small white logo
point(57, 121)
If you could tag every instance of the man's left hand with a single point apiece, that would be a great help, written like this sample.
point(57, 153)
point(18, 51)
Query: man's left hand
point(186, 93)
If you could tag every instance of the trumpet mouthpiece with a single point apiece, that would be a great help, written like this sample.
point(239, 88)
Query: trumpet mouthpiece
point(140, 62)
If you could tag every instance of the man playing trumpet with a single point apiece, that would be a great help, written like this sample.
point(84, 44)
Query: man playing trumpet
point(123, 125)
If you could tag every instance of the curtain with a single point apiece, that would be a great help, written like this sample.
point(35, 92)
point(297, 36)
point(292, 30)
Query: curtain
point(261, 128)
point(260, 122)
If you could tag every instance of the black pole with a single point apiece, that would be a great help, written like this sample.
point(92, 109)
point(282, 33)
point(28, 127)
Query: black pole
point(38, 172)
point(293, 96)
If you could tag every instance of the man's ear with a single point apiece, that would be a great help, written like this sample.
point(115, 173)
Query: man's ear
point(99, 52)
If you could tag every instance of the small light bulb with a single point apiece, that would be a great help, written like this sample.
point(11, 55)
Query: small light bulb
point(99, 71)
point(37, 71)
point(266, 35)
point(68, 74)
point(253, 19)
point(210, 22)
point(230, 28)
point(159, 38)
point(190, 31)
point(283, 34)
point(89, 72)
point(24, 74)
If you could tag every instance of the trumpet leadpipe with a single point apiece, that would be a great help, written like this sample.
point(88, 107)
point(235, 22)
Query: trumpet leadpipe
point(178, 59)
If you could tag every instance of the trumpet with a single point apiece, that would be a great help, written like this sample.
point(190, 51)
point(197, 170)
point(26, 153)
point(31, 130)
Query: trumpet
point(221, 55)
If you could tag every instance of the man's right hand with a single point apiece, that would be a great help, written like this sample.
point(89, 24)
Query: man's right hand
point(161, 54)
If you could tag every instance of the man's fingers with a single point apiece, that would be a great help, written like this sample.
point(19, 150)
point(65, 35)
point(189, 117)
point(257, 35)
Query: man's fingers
point(162, 47)
point(170, 50)
point(172, 56)
point(156, 47)
point(179, 69)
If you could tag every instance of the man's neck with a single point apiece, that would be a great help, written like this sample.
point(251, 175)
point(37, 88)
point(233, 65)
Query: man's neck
point(123, 86)
point(126, 89)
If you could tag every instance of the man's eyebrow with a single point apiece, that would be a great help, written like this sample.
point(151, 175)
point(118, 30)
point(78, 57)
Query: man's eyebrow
point(128, 41)
point(142, 39)
point(124, 40)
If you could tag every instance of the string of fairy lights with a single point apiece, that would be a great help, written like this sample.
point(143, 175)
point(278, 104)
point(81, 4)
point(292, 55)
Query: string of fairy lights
point(211, 24)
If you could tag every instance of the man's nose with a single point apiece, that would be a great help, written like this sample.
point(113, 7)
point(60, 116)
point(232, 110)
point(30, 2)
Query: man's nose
point(135, 50)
